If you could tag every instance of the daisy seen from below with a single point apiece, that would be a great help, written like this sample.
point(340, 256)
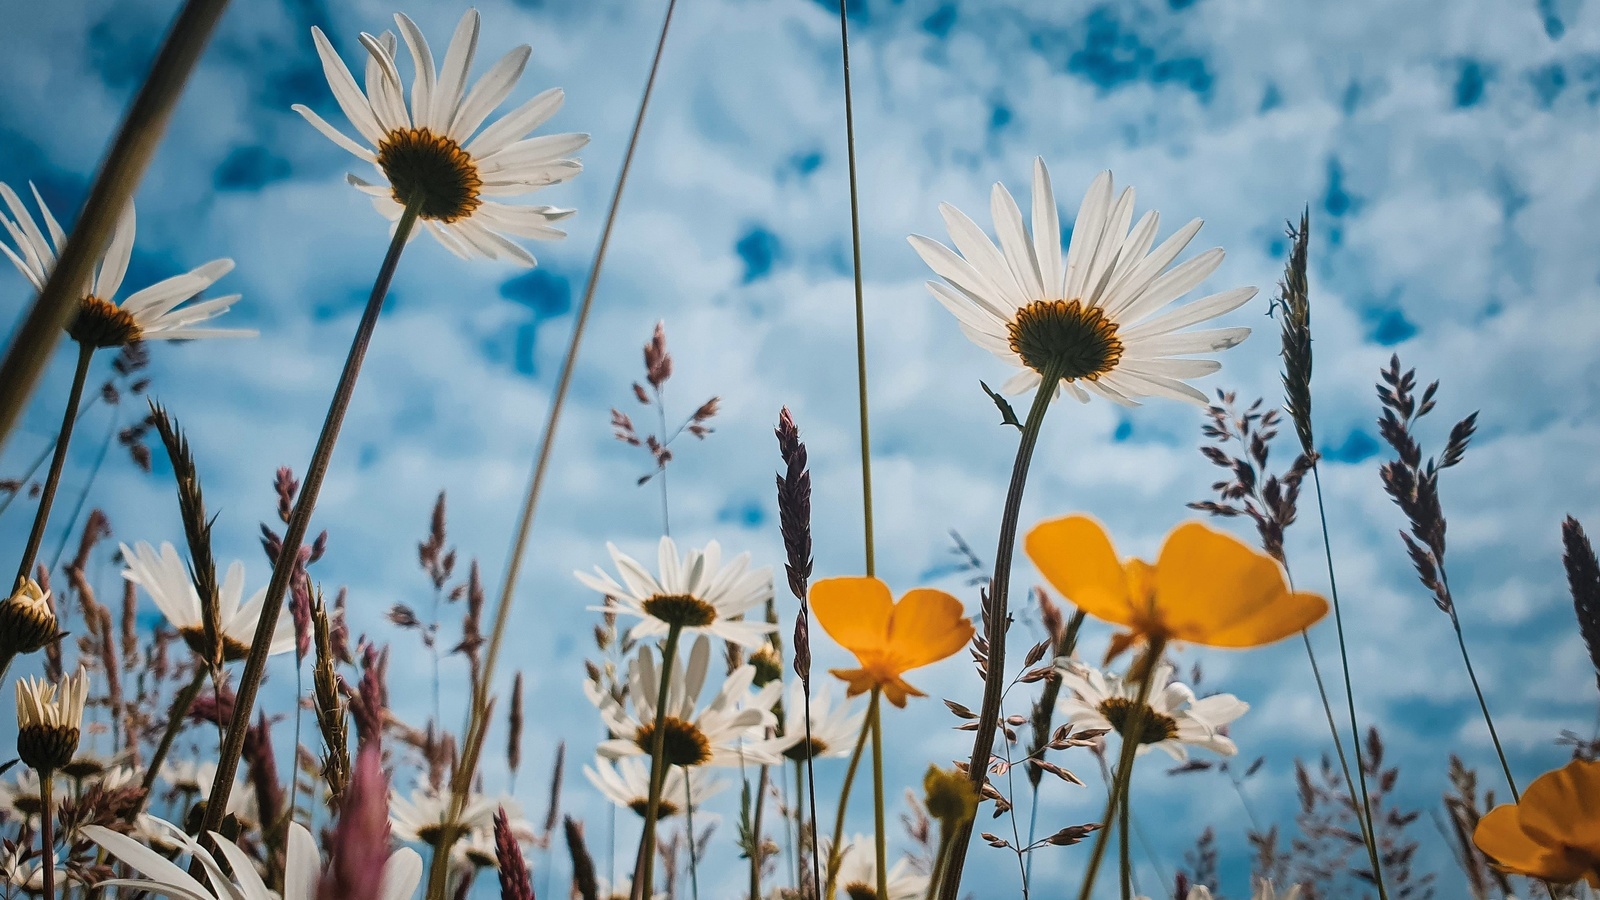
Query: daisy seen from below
point(154, 313)
point(626, 783)
point(834, 727)
point(727, 732)
point(858, 873)
point(432, 154)
point(888, 638)
point(1094, 320)
point(476, 849)
point(1206, 587)
point(1174, 719)
point(49, 717)
point(166, 579)
point(422, 817)
point(1553, 833)
point(697, 593)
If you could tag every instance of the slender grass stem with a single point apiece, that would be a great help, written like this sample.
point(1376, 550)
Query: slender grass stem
point(836, 849)
point(861, 319)
point(688, 830)
point(478, 724)
point(295, 532)
point(644, 880)
point(755, 829)
point(42, 457)
point(58, 461)
point(1369, 830)
point(135, 144)
point(1123, 829)
point(47, 832)
point(83, 494)
point(661, 473)
point(1482, 704)
point(1132, 728)
point(996, 620)
point(175, 717)
point(881, 836)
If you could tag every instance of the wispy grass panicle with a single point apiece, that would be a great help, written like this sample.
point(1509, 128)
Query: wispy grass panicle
point(1271, 501)
point(1294, 305)
point(515, 884)
point(196, 531)
point(331, 707)
point(1583, 577)
point(584, 883)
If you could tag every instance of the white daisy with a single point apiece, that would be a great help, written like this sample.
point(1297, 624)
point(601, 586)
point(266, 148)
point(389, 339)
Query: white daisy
point(433, 152)
point(478, 850)
point(302, 867)
point(421, 818)
point(698, 593)
point(151, 314)
point(728, 732)
point(858, 873)
point(834, 729)
point(166, 580)
point(28, 874)
point(49, 717)
point(1263, 891)
point(1090, 320)
point(627, 784)
point(22, 799)
point(1174, 719)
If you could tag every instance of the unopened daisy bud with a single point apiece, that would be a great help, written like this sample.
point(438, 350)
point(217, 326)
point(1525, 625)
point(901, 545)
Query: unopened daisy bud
point(48, 717)
point(950, 797)
point(768, 665)
point(26, 621)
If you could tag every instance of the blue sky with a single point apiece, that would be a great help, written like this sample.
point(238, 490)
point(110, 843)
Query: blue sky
point(1445, 150)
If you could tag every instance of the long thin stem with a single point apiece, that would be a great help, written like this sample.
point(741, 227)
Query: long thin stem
point(861, 320)
point(755, 829)
point(42, 457)
point(875, 716)
point(52, 480)
point(996, 619)
point(1482, 704)
point(47, 832)
point(1369, 829)
point(175, 717)
point(836, 849)
point(295, 532)
point(1132, 728)
point(661, 473)
point(643, 881)
point(142, 127)
point(472, 745)
point(688, 831)
point(83, 493)
point(1123, 828)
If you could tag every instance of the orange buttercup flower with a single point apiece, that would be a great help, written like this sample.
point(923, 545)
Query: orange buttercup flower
point(888, 638)
point(1206, 587)
point(1554, 833)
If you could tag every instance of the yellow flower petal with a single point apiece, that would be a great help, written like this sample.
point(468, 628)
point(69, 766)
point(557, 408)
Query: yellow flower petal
point(1213, 589)
point(1076, 557)
point(854, 611)
point(1501, 837)
point(857, 681)
point(1563, 807)
point(925, 627)
point(896, 690)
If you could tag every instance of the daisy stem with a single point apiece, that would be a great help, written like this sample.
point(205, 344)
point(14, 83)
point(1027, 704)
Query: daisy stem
point(1123, 829)
point(1131, 731)
point(875, 714)
point(996, 619)
point(644, 878)
point(57, 462)
point(836, 849)
point(175, 717)
point(1369, 831)
point(295, 532)
point(688, 831)
point(755, 829)
point(47, 832)
point(861, 323)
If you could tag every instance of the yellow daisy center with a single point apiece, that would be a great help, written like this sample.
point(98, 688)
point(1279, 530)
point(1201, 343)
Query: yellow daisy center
point(855, 890)
point(806, 750)
point(683, 743)
point(1155, 728)
point(1066, 337)
point(665, 808)
point(101, 323)
point(432, 170)
point(680, 609)
point(233, 649)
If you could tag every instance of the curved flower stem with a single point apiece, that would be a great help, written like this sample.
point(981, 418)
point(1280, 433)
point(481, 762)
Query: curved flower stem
point(57, 462)
point(644, 878)
point(47, 832)
point(295, 532)
point(1488, 720)
point(995, 622)
point(835, 850)
point(1368, 830)
point(861, 321)
point(1134, 726)
point(175, 716)
point(875, 714)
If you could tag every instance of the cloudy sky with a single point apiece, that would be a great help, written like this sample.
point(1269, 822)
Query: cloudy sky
point(1445, 151)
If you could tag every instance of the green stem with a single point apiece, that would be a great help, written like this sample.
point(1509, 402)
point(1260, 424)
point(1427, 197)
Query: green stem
point(83, 493)
point(1487, 719)
point(755, 829)
point(299, 520)
point(875, 715)
point(861, 318)
point(688, 830)
point(57, 462)
point(644, 876)
point(175, 717)
point(996, 619)
point(47, 832)
point(836, 849)
point(1132, 728)
point(1369, 830)
point(940, 857)
point(1123, 829)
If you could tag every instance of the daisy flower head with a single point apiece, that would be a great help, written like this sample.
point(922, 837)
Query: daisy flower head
point(432, 154)
point(1553, 833)
point(626, 783)
point(1206, 587)
point(477, 850)
point(27, 621)
point(155, 313)
point(698, 593)
point(888, 638)
point(834, 727)
point(422, 817)
point(165, 578)
point(1174, 719)
point(48, 719)
point(1093, 321)
point(858, 872)
point(727, 732)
